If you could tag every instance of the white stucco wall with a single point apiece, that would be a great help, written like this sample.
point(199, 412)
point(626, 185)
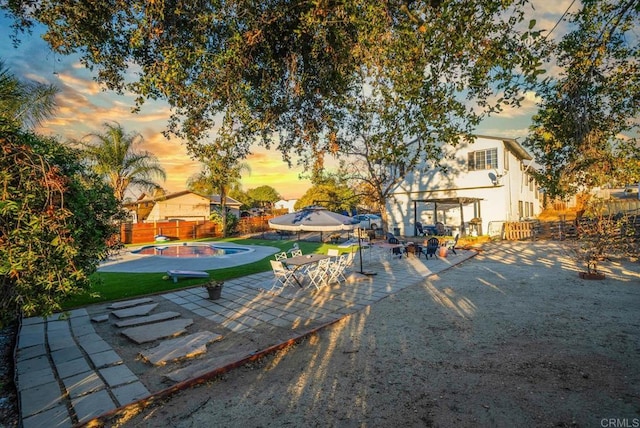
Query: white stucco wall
point(501, 189)
point(185, 207)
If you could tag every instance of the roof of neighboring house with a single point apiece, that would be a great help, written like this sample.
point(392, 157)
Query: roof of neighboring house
point(230, 201)
point(214, 198)
point(513, 145)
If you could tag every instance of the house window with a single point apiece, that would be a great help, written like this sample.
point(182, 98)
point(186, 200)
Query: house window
point(520, 209)
point(483, 159)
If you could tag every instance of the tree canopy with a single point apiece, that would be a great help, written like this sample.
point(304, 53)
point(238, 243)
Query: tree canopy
point(292, 69)
point(586, 131)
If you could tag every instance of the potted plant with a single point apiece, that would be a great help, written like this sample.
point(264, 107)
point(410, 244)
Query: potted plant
point(214, 288)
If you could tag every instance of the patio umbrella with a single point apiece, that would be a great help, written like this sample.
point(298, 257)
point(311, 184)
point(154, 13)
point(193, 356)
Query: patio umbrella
point(317, 219)
point(312, 219)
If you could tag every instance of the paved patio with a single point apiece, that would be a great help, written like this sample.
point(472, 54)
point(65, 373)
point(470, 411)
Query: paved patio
point(74, 367)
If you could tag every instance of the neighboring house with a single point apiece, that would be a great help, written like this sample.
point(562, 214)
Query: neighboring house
point(184, 205)
point(285, 204)
point(485, 184)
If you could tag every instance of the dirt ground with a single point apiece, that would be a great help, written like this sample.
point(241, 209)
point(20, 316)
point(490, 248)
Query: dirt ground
point(509, 338)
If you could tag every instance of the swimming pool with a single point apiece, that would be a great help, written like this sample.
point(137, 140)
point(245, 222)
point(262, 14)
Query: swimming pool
point(191, 250)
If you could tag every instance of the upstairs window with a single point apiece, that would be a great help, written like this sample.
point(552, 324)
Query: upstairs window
point(483, 159)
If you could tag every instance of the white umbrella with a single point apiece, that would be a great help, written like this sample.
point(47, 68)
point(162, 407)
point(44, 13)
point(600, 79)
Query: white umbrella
point(317, 219)
point(312, 219)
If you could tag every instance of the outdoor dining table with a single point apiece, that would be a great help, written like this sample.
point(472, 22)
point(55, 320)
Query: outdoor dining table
point(298, 262)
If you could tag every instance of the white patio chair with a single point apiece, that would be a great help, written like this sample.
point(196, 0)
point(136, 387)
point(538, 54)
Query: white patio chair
point(333, 252)
point(281, 275)
point(296, 252)
point(281, 256)
point(319, 273)
point(337, 268)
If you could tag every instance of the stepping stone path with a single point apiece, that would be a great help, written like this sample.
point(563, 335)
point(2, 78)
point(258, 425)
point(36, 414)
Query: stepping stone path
point(144, 328)
point(130, 303)
point(160, 330)
point(162, 316)
point(134, 311)
point(183, 347)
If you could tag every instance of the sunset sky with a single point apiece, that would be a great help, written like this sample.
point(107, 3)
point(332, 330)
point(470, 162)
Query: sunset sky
point(84, 107)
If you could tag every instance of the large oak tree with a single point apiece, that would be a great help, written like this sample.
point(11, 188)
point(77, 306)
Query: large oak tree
point(289, 71)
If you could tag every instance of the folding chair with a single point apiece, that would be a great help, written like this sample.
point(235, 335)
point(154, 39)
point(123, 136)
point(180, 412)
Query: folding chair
point(333, 253)
point(337, 268)
point(281, 256)
point(282, 275)
point(296, 252)
point(319, 274)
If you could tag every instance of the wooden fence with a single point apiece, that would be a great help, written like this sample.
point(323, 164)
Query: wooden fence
point(137, 233)
point(519, 230)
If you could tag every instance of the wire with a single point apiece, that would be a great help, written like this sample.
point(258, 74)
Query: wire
point(560, 20)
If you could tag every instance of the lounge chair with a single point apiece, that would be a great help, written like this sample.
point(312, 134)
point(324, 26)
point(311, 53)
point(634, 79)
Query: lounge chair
point(431, 247)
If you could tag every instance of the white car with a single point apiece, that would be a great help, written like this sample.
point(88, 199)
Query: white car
point(368, 221)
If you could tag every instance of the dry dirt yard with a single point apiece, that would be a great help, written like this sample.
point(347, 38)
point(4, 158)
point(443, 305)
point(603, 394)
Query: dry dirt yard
point(509, 338)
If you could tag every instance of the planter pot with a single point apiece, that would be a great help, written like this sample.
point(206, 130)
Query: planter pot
point(442, 252)
point(215, 292)
point(588, 275)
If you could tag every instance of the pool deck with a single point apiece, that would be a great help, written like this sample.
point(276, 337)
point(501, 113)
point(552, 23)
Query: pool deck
point(128, 262)
point(90, 363)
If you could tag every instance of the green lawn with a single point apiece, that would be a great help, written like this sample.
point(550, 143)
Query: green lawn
point(107, 286)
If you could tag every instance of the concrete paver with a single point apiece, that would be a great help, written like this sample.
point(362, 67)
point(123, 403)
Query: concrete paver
point(82, 377)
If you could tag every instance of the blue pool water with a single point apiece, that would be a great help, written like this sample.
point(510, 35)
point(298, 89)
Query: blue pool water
point(190, 250)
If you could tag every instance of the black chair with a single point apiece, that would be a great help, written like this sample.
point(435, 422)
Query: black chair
point(432, 247)
point(420, 229)
point(393, 240)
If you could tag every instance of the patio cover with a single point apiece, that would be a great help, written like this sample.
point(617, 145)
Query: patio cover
point(447, 203)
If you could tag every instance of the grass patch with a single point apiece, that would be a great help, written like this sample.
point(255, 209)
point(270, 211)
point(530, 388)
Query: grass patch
point(108, 286)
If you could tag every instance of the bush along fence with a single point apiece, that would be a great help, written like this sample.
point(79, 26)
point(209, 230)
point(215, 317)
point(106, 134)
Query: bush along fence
point(137, 233)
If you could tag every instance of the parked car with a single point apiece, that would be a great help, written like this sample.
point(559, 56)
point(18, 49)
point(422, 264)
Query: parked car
point(368, 221)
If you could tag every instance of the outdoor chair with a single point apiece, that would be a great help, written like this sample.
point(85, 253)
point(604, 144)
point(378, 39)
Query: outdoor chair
point(451, 244)
point(440, 229)
point(319, 274)
point(281, 276)
point(431, 247)
point(395, 251)
point(420, 229)
point(281, 256)
point(333, 253)
point(296, 252)
point(337, 268)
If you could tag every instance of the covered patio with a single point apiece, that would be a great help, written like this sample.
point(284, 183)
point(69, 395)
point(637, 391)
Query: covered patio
point(444, 204)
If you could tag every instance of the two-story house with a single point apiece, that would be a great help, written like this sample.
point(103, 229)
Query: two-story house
point(483, 184)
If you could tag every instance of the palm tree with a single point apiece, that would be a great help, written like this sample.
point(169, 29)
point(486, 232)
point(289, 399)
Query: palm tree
point(218, 175)
point(24, 104)
point(113, 156)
